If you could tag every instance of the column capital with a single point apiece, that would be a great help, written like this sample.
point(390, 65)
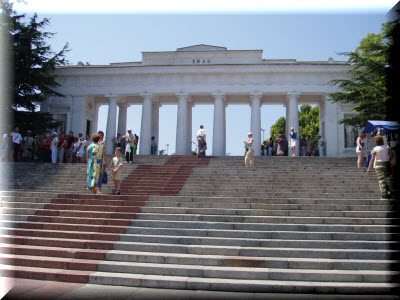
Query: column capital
point(146, 95)
point(112, 96)
point(182, 95)
point(219, 95)
point(256, 95)
point(293, 94)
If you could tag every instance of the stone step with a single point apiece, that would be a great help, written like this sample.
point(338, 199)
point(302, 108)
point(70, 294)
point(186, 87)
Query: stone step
point(184, 200)
point(282, 217)
point(105, 241)
point(257, 234)
point(196, 283)
point(258, 209)
point(72, 227)
point(243, 242)
point(206, 260)
point(372, 195)
point(376, 217)
point(240, 224)
point(68, 213)
point(79, 242)
point(199, 271)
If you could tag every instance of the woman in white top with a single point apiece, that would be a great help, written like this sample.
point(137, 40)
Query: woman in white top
point(293, 141)
point(249, 159)
point(361, 147)
point(381, 157)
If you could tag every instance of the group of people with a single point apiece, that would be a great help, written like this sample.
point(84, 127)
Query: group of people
point(61, 148)
point(55, 148)
point(280, 145)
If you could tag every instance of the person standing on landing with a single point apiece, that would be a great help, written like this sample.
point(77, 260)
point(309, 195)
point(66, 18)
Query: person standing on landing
point(117, 163)
point(130, 140)
point(293, 141)
point(249, 159)
point(201, 141)
point(16, 150)
point(280, 146)
point(153, 148)
point(303, 142)
point(361, 142)
point(321, 145)
point(54, 149)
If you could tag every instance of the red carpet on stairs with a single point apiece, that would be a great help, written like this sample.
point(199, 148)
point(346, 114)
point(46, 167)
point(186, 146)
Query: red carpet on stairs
point(68, 238)
point(162, 180)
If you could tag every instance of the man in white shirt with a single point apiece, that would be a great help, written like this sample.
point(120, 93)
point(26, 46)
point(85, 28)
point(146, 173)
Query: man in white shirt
point(321, 145)
point(201, 142)
point(16, 138)
point(53, 148)
point(131, 141)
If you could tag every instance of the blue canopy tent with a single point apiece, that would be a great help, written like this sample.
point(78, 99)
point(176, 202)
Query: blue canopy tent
point(382, 127)
point(386, 126)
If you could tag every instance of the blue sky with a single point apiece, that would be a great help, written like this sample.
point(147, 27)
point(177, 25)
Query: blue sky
point(312, 34)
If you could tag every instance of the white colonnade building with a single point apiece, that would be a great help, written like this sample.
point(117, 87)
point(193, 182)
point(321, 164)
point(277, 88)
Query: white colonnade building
point(200, 74)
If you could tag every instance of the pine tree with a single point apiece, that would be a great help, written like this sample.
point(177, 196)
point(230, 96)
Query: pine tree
point(32, 67)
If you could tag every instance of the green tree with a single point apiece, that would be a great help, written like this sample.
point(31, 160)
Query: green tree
point(309, 121)
point(278, 127)
point(366, 84)
point(393, 69)
point(33, 64)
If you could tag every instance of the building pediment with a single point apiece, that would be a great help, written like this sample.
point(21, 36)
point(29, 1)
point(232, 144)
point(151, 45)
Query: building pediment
point(202, 55)
point(202, 47)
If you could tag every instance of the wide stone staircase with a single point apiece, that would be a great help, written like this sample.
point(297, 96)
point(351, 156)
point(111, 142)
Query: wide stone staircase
point(290, 224)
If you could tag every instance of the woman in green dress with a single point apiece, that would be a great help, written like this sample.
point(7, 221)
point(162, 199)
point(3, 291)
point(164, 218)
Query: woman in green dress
point(97, 162)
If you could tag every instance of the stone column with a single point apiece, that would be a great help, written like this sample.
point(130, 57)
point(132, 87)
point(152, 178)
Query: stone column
point(111, 124)
point(331, 122)
point(293, 117)
point(219, 126)
point(78, 115)
point(68, 126)
point(189, 129)
point(122, 115)
point(182, 124)
point(287, 119)
point(155, 116)
point(96, 118)
point(255, 100)
point(145, 129)
point(224, 138)
point(322, 125)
